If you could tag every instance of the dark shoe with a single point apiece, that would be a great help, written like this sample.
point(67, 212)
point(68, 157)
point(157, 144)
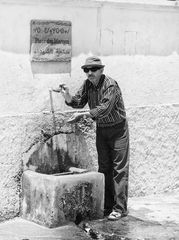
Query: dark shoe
point(107, 212)
point(124, 214)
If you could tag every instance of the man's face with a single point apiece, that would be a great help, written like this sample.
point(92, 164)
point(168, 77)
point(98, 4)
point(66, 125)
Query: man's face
point(93, 74)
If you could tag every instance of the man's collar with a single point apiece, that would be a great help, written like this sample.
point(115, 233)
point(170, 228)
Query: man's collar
point(100, 81)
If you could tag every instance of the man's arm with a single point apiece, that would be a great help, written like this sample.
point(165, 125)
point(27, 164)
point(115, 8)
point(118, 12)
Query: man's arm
point(77, 101)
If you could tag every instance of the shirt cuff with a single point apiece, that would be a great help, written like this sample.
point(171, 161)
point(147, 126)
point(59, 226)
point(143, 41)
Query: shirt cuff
point(94, 113)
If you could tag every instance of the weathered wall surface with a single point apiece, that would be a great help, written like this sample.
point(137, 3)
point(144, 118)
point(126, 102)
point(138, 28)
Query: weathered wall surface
point(154, 135)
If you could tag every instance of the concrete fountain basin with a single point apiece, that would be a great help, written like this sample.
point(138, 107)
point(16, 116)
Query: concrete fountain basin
point(54, 200)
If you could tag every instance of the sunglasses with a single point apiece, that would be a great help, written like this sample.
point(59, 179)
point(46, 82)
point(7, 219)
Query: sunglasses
point(93, 69)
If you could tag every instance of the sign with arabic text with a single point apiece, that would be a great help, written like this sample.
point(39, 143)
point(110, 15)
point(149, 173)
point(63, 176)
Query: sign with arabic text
point(50, 41)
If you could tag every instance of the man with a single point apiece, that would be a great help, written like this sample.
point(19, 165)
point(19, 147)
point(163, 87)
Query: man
point(104, 98)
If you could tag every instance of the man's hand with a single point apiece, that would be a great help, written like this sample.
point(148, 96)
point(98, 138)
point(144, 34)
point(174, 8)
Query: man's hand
point(75, 117)
point(61, 89)
point(64, 91)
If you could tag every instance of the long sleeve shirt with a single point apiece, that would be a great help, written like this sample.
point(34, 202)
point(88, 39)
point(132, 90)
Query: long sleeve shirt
point(105, 101)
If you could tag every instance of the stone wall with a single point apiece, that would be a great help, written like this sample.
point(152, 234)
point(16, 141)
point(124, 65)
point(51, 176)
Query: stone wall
point(154, 135)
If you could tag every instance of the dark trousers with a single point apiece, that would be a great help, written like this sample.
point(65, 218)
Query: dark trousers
point(113, 158)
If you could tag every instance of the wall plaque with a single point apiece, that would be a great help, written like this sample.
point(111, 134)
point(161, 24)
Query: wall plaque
point(50, 41)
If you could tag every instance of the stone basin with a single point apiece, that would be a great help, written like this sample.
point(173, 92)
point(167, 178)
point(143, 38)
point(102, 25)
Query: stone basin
point(54, 200)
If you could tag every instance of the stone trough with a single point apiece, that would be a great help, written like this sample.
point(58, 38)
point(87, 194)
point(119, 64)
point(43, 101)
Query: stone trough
point(54, 199)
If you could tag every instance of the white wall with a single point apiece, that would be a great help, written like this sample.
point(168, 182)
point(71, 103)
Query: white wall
point(139, 30)
point(100, 27)
point(15, 24)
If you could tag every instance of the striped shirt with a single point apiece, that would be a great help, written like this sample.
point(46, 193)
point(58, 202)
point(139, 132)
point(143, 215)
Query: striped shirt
point(105, 101)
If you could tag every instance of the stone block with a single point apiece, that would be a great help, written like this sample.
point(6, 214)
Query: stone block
point(54, 200)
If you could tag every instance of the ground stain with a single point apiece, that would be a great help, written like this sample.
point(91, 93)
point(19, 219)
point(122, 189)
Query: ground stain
point(129, 228)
